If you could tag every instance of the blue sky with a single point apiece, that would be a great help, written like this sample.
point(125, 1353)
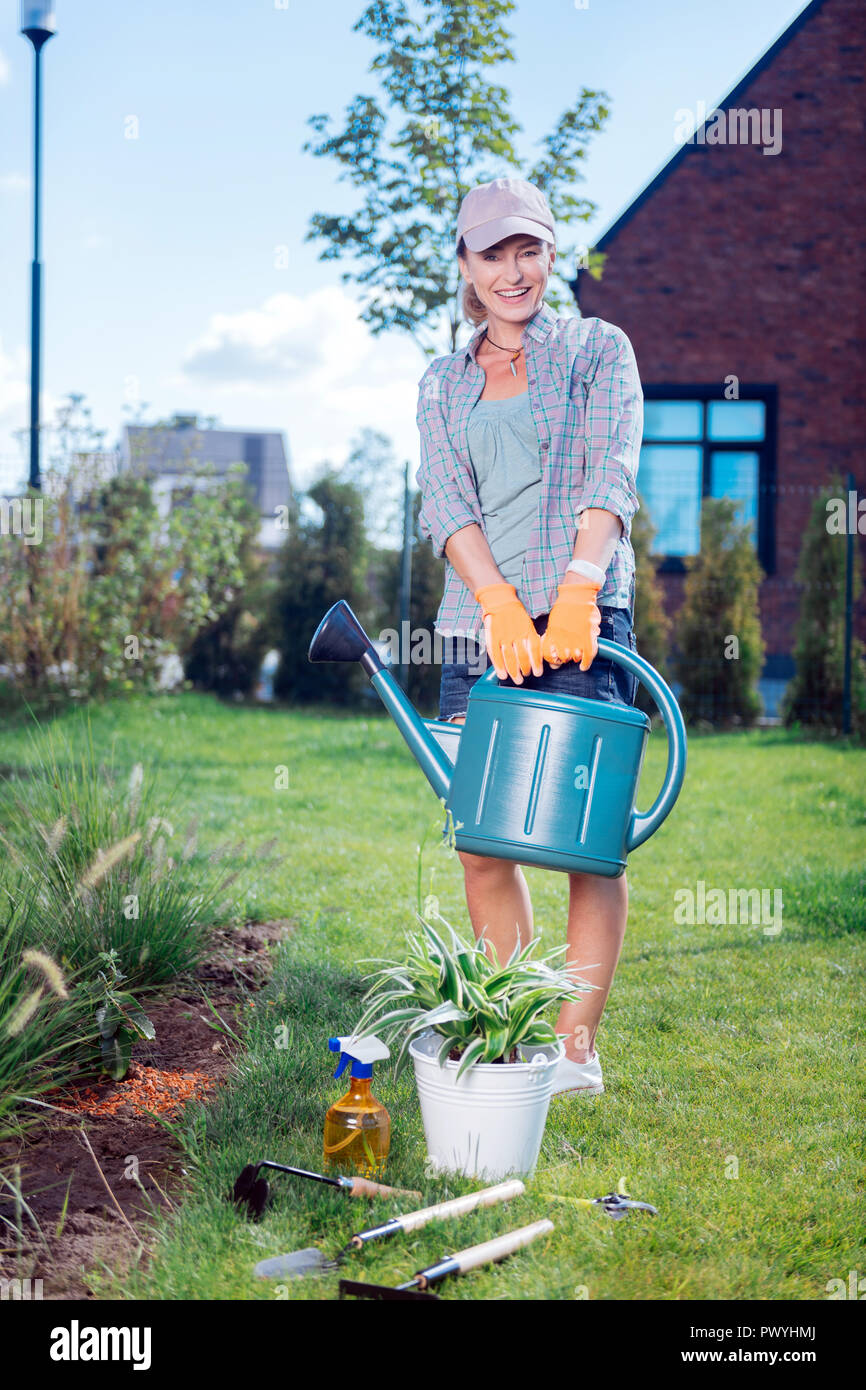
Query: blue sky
point(160, 277)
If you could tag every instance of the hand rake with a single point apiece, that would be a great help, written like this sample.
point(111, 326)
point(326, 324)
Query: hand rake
point(254, 1191)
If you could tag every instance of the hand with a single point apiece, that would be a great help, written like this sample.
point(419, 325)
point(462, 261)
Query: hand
point(573, 625)
point(513, 644)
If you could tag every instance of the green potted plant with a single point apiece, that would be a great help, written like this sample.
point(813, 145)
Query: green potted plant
point(483, 1051)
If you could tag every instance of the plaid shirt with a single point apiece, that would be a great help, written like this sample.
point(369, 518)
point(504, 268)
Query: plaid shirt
point(587, 404)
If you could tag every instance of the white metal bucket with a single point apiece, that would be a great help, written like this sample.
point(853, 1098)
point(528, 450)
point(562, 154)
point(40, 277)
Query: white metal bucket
point(491, 1122)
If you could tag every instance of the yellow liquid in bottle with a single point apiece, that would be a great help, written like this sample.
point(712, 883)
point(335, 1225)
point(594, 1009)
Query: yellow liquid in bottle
point(358, 1131)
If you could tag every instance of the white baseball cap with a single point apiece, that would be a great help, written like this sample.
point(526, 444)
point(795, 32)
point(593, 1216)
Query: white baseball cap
point(502, 208)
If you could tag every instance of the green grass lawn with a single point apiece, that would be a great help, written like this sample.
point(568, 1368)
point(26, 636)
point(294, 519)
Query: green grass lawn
point(730, 1056)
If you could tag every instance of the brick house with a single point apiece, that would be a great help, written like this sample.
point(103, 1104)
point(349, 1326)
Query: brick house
point(736, 263)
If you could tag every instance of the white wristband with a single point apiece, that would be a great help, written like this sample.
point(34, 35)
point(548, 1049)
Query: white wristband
point(587, 569)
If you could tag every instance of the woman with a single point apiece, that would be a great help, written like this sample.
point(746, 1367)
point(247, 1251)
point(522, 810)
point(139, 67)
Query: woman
point(529, 448)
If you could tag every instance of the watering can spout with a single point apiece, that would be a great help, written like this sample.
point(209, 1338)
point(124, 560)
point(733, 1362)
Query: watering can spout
point(340, 637)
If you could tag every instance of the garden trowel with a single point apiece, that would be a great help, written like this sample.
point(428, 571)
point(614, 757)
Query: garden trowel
point(297, 1263)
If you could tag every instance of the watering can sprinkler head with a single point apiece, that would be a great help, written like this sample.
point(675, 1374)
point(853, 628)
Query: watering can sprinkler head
point(532, 776)
point(340, 637)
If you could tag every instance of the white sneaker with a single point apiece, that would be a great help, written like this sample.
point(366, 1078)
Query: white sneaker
point(578, 1078)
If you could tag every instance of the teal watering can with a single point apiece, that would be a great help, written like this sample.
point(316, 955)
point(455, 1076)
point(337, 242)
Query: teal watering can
point(530, 776)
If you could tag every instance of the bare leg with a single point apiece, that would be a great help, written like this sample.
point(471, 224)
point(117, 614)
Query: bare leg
point(497, 896)
point(597, 912)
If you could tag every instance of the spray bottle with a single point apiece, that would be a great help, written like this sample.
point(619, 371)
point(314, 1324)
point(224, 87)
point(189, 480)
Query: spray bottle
point(358, 1127)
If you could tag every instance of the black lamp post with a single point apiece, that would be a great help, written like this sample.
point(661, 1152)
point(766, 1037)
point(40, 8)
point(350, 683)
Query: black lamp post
point(37, 24)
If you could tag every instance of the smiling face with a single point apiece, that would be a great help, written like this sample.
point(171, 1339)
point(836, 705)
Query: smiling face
point(510, 277)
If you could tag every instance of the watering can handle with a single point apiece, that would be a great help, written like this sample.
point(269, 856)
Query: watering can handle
point(645, 823)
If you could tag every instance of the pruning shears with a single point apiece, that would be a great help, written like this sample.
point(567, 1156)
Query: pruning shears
point(617, 1204)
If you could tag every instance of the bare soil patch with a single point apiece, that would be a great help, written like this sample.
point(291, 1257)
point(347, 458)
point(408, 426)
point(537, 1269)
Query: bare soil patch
point(84, 1228)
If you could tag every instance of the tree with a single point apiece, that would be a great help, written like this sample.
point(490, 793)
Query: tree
point(651, 622)
point(814, 696)
point(322, 561)
point(372, 468)
point(720, 649)
point(426, 595)
point(226, 654)
point(456, 131)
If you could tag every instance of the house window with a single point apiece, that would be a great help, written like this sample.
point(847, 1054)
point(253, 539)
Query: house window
point(669, 480)
point(696, 445)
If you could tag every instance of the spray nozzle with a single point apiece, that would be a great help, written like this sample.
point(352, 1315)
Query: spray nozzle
point(361, 1052)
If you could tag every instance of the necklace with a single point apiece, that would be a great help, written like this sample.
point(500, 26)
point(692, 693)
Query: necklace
point(505, 349)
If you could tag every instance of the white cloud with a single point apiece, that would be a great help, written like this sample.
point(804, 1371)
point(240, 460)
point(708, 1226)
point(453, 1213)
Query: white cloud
point(14, 183)
point(5, 69)
point(312, 368)
point(287, 338)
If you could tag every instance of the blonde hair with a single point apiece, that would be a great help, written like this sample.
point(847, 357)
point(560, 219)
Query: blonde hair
point(473, 310)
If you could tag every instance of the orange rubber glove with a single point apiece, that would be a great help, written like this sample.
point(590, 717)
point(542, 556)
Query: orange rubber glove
point(513, 644)
point(573, 625)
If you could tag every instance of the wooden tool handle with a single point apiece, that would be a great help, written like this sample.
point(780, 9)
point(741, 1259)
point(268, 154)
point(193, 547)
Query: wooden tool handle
point(500, 1246)
point(363, 1187)
point(458, 1206)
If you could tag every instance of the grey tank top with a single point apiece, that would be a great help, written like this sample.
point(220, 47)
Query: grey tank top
point(503, 450)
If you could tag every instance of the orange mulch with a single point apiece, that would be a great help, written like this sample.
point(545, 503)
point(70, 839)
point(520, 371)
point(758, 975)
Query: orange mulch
point(143, 1089)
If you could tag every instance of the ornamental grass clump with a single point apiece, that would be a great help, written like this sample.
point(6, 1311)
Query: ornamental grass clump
point(484, 1011)
point(110, 871)
point(42, 1021)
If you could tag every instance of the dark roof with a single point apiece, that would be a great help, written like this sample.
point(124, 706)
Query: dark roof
point(160, 449)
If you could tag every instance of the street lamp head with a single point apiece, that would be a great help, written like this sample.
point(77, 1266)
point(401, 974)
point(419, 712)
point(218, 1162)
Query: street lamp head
point(38, 20)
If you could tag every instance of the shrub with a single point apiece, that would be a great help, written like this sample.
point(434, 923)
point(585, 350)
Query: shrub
point(651, 622)
point(720, 649)
point(111, 590)
point(815, 695)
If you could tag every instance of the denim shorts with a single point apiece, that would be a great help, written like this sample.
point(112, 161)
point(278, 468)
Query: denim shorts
point(605, 680)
